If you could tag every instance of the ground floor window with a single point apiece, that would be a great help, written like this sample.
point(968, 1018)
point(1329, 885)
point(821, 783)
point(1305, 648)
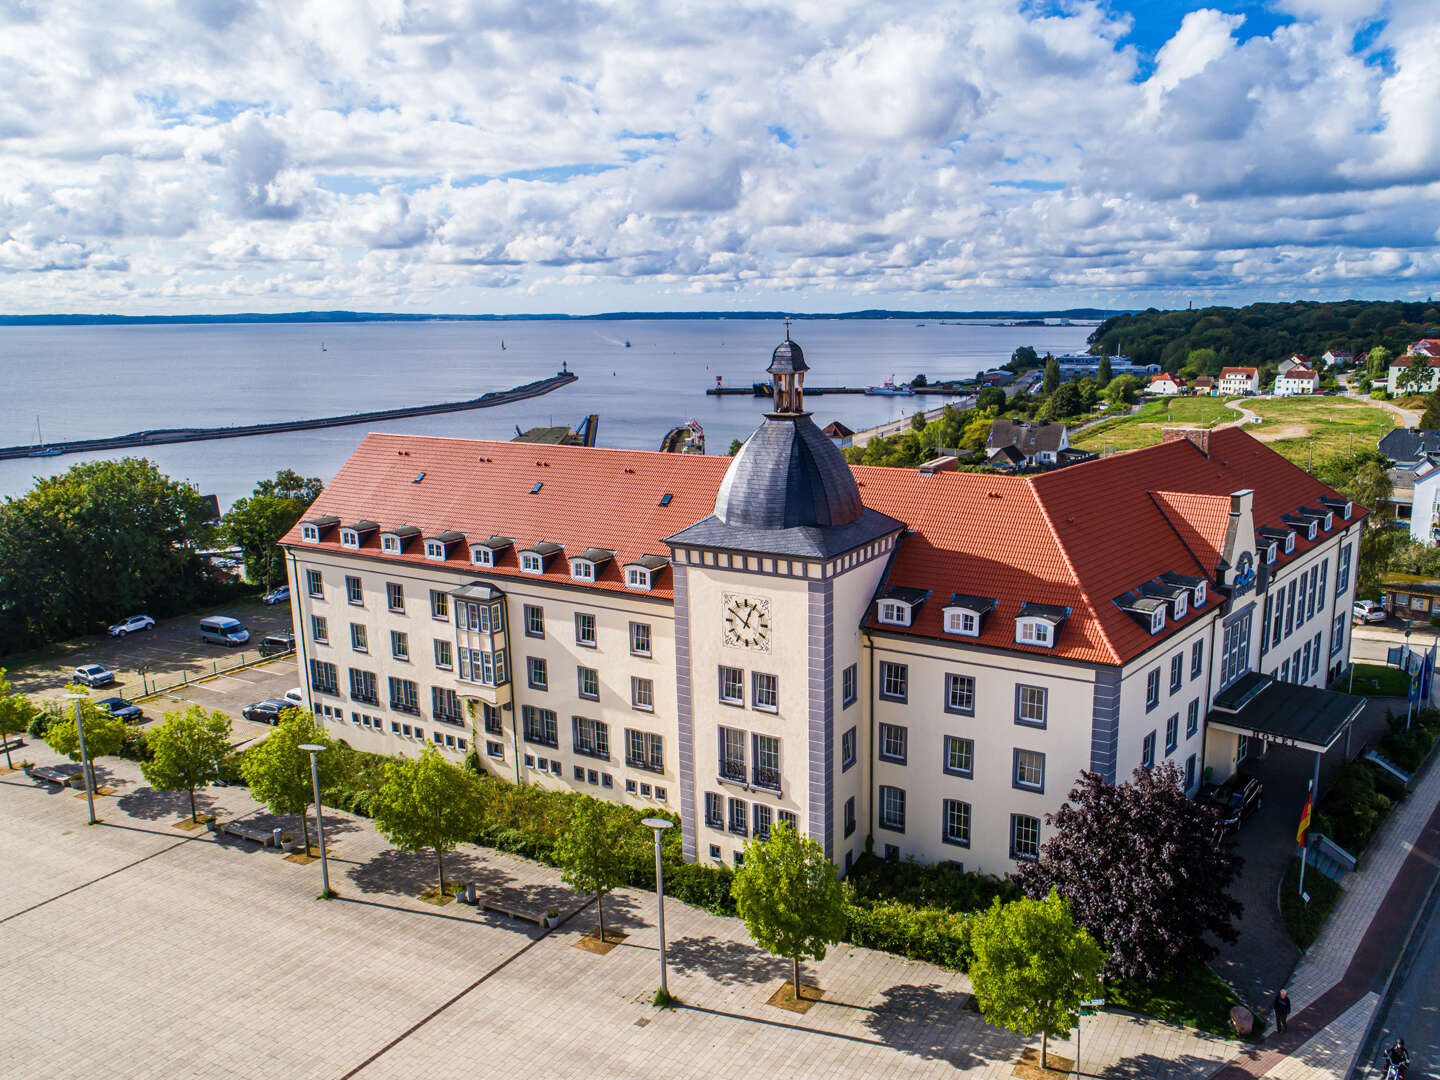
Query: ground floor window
point(955, 822)
point(892, 808)
point(1024, 836)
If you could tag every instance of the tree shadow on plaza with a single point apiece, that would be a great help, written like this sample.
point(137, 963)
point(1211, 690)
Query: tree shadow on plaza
point(729, 963)
point(1151, 1067)
point(147, 804)
point(409, 873)
point(933, 1023)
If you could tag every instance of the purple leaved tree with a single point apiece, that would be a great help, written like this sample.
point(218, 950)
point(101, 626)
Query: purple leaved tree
point(1141, 871)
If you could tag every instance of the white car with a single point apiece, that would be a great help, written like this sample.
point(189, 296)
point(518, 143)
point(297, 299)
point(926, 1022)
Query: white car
point(1368, 611)
point(131, 625)
point(94, 675)
point(277, 596)
point(295, 696)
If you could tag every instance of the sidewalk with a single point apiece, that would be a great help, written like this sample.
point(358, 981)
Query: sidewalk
point(1337, 986)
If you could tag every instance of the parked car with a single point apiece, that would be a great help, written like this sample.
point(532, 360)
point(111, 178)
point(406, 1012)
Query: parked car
point(295, 696)
point(94, 675)
point(1368, 611)
point(131, 625)
point(277, 596)
point(125, 710)
point(1234, 800)
point(223, 630)
point(277, 644)
point(267, 711)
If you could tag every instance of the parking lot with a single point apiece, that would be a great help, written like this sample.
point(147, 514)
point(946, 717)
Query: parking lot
point(170, 654)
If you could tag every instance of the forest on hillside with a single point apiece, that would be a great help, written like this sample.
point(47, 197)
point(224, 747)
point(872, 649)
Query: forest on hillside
point(1201, 342)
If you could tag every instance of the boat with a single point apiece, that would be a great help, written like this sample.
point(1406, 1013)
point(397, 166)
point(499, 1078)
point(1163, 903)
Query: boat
point(627, 343)
point(322, 347)
point(889, 388)
point(502, 344)
point(41, 450)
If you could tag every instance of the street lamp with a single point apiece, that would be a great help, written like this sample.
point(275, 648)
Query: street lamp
point(315, 748)
point(659, 825)
point(85, 774)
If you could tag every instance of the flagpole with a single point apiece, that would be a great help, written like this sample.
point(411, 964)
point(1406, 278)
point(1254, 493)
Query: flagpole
point(1302, 834)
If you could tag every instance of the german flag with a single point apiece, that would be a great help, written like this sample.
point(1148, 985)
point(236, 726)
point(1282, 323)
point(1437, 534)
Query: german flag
point(1305, 820)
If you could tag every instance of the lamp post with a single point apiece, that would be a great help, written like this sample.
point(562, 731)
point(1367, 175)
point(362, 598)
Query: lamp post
point(659, 825)
point(84, 758)
point(315, 748)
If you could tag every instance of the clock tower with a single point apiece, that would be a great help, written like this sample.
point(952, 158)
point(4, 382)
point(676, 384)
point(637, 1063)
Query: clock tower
point(770, 592)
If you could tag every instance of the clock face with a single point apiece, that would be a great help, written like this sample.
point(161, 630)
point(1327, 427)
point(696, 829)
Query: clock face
point(746, 622)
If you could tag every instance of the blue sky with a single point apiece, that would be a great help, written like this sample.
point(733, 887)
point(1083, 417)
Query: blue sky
point(223, 155)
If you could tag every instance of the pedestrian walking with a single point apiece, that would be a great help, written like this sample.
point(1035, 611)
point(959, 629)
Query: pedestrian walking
point(1282, 1010)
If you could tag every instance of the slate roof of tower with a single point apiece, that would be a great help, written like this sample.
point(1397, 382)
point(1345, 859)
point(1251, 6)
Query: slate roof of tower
point(1075, 538)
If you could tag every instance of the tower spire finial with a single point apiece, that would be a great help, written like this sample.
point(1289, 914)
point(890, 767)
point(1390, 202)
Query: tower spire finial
point(787, 328)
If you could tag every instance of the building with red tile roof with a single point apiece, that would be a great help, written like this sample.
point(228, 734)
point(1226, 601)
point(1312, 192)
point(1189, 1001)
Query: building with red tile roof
point(779, 636)
point(1239, 380)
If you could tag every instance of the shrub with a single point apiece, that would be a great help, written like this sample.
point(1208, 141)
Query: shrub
point(931, 934)
point(923, 885)
point(41, 723)
point(1408, 749)
point(1352, 810)
point(136, 746)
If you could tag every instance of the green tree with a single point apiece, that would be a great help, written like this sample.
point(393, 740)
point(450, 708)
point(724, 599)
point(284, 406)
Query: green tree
point(1378, 360)
point(256, 524)
point(426, 802)
point(278, 771)
point(16, 712)
point(790, 897)
point(735, 447)
point(1104, 374)
point(102, 540)
point(1123, 389)
point(920, 380)
point(187, 748)
point(1430, 419)
point(104, 734)
point(1364, 478)
point(1067, 400)
point(1415, 375)
point(1033, 966)
point(917, 420)
point(1022, 358)
point(595, 854)
point(990, 397)
point(1052, 374)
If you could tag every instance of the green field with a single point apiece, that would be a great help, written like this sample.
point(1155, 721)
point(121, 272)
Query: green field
point(1144, 428)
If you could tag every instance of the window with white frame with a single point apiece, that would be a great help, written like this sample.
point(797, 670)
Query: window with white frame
point(738, 810)
point(732, 754)
point(849, 685)
point(1200, 595)
point(1029, 770)
point(642, 694)
point(390, 545)
point(531, 563)
point(764, 691)
point(1235, 650)
point(362, 687)
point(539, 726)
point(1152, 689)
point(482, 666)
point(439, 605)
point(1192, 718)
point(732, 686)
point(359, 641)
point(1197, 659)
point(481, 555)
point(319, 630)
point(639, 639)
point(349, 538)
point(592, 737)
point(1342, 571)
point(1024, 836)
point(1035, 632)
point(637, 577)
point(963, 622)
point(1157, 620)
point(582, 570)
point(1030, 705)
point(766, 770)
point(892, 808)
point(494, 725)
point(394, 596)
point(585, 629)
point(762, 821)
point(1177, 671)
point(311, 533)
point(444, 654)
point(894, 681)
point(399, 645)
point(955, 822)
point(1337, 633)
point(1147, 751)
point(894, 613)
point(445, 704)
point(847, 749)
point(588, 680)
point(959, 756)
point(404, 696)
point(714, 810)
point(1172, 734)
point(892, 743)
point(314, 583)
point(537, 673)
point(960, 693)
point(435, 549)
point(534, 621)
point(324, 677)
point(644, 750)
point(849, 816)
point(352, 590)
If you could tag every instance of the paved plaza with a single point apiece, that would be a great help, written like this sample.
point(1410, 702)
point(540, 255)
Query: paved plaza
point(138, 949)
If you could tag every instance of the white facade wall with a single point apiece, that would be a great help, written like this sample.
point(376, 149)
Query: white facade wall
point(1423, 516)
point(1429, 381)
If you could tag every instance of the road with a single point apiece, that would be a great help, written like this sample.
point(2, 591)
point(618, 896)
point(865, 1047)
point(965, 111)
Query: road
point(1413, 1013)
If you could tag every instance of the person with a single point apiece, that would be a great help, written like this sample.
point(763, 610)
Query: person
point(1398, 1058)
point(1282, 1010)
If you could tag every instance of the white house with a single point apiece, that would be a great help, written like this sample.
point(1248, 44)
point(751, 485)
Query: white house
point(1294, 360)
point(1239, 380)
point(1427, 363)
point(1165, 384)
point(1425, 511)
point(1338, 358)
point(1038, 442)
point(1297, 381)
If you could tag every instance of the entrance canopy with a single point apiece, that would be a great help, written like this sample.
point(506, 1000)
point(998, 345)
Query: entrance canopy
point(1284, 713)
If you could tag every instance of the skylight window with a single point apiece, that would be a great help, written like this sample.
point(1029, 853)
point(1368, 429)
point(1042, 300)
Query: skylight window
point(665, 499)
point(538, 485)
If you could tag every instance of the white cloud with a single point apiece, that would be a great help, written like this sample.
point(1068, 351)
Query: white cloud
point(463, 156)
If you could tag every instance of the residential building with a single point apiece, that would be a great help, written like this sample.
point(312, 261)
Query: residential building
point(1239, 380)
point(1204, 384)
point(1296, 381)
point(1165, 384)
point(1406, 446)
point(1338, 358)
point(1425, 504)
point(1426, 356)
point(1078, 365)
point(1425, 347)
point(1294, 360)
point(1033, 442)
point(1411, 597)
point(839, 434)
point(924, 658)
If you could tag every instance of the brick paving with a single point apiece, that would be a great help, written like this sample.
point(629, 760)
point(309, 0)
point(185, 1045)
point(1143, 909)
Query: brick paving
point(136, 949)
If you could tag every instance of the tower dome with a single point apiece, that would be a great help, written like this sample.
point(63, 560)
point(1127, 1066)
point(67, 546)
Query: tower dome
point(788, 474)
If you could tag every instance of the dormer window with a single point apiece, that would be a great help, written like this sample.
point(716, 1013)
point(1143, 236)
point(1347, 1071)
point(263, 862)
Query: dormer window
point(1200, 595)
point(1290, 544)
point(481, 555)
point(531, 563)
point(487, 552)
point(1179, 604)
point(1039, 624)
point(586, 566)
point(1271, 552)
point(637, 577)
point(1035, 632)
point(641, 574)
point(1329, 522)
point(312, 529)
point(965, 623)
point(310, 533)
point(1157, 620)
point(894, 613)
point(390, 544)
point(434, 549)
point(349, 538)
point(1310, 531)
point(582, 570)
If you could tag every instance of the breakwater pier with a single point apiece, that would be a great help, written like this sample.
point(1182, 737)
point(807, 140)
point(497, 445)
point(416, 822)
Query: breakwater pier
point(159, 436)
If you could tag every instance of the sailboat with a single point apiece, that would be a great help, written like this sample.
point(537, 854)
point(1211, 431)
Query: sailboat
point(322, 347)
point(41, 450)
point(502, 344)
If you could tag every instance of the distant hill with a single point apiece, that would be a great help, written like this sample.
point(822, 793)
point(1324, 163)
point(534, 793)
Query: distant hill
point(379, 316)
point(1262, 335)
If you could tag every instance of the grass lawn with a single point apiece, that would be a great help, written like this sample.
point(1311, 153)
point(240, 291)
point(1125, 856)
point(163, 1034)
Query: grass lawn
point(1144, 428)
point(1376, 680)
point(1199, 1000)
point(1313, 429)
point(1303, 921)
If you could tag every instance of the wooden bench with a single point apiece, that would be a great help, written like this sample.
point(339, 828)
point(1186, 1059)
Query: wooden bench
point(250, 831)
point(56, 774)
point(500, 907)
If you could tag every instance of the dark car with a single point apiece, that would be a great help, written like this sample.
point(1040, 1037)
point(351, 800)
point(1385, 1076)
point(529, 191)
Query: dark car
point(277, 644)
point(125, 710)
point(267, 711)
point(1234, 800)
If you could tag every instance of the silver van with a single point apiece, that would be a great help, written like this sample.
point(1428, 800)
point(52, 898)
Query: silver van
point(223, 630)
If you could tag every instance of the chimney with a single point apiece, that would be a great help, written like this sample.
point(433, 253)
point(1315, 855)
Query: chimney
point(939, 464)
point(1200, 437)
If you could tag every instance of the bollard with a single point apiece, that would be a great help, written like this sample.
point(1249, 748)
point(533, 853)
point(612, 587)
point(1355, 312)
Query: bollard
point(279, 837)
point(470, 892)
